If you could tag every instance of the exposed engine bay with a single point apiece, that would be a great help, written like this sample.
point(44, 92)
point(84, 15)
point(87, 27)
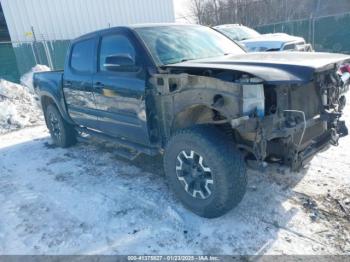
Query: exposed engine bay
point(284, 122)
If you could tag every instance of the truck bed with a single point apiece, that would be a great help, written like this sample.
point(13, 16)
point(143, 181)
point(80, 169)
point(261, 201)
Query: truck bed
point(50, 80)
point(48, 86)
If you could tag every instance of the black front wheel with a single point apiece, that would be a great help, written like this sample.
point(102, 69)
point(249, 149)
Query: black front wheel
point(205, 170)
point(62, 134)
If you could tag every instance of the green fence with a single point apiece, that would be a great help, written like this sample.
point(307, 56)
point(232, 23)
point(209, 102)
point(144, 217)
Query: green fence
point(18, 58)
point(327, 34)
point(8, 63)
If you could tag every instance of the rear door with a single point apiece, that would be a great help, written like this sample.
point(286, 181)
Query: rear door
point(120, 95)
point(77, 82)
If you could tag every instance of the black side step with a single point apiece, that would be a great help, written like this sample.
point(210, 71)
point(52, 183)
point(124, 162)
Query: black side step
point(121, 142)
point(127, 153)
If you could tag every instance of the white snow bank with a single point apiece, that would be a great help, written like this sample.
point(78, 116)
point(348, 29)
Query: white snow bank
point(18, 104)
point(18, 107)
point(27, 79)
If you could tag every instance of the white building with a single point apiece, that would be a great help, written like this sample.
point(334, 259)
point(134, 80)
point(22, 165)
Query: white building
point(67, 19)
point(54, 23)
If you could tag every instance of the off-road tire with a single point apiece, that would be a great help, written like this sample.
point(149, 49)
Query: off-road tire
point(224, 160)
point(62, 133)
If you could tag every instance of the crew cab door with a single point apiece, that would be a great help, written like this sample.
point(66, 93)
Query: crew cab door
point(77, 82)
point(119, 87)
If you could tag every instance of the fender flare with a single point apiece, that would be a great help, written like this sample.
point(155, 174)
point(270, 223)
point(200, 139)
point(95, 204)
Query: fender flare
point(59, 103)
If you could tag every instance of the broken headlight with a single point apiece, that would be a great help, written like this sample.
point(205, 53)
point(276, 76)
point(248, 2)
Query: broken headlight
point(253, 97)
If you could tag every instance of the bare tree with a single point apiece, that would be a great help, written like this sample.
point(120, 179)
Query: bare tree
point(258, 12)
point(197, 9)
point(216, 11)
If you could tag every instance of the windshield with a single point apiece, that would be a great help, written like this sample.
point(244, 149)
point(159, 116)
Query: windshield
point(238, 33)
point(174, 44)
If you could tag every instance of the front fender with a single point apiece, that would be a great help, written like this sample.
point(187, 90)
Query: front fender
point(177, 93)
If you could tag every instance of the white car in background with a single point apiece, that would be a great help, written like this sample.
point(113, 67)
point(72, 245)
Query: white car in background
point(256, 42)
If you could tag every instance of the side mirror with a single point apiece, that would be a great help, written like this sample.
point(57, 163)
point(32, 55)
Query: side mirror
point(120, 63)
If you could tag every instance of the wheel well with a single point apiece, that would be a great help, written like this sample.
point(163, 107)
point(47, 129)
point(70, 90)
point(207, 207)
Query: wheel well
point(195, 115)
point(45, 101)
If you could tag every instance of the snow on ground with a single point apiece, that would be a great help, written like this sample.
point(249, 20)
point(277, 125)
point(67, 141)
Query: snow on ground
point(86, 200)
point(27, 79)
point(18, 105)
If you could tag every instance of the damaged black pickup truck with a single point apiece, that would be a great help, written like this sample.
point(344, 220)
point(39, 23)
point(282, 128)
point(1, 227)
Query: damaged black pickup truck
point(193, 95)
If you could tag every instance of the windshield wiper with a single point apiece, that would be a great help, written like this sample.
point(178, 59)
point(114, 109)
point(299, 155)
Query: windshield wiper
point(185, 60)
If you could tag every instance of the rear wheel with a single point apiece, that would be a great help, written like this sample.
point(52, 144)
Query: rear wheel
point(205, 170)
point(62, 133)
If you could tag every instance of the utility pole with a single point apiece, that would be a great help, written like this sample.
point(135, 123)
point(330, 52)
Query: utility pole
point(34, 47)
point(318, 7)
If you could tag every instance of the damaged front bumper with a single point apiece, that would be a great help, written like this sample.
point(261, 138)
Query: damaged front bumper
point(299, 121)
point(294, 146)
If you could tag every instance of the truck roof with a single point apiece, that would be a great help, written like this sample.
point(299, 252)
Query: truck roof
point(130, 27)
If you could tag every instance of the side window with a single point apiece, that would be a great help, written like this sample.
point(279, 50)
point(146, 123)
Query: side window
point(112, 45)
point(82, 58)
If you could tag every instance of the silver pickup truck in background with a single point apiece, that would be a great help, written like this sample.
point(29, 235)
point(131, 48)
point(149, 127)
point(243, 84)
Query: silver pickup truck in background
point(253, 41)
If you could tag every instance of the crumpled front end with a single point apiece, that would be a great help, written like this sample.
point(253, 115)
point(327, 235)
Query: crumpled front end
point(299, 120)
point(279, 107)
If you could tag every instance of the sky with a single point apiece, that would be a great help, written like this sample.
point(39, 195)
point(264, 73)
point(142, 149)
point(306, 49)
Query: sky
point(182, 10)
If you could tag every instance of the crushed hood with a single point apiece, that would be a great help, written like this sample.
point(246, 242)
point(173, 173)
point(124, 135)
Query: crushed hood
point(274, 67)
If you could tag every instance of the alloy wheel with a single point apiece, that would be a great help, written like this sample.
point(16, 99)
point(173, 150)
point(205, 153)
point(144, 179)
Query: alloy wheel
point(193, 173)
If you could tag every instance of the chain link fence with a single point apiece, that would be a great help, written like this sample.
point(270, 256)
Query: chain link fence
point(17, 58)
point(326, 34)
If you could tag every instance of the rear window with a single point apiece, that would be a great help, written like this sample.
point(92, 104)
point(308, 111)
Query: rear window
point(82, 56)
